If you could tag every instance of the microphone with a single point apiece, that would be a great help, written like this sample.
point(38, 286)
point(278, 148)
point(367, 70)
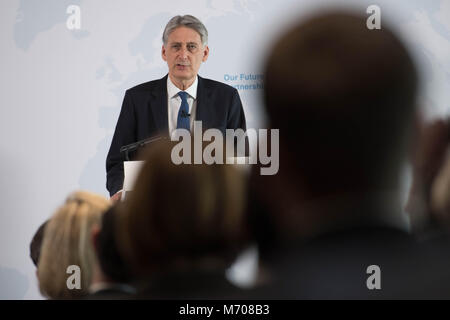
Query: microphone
point(139, 144)
point(184, 114)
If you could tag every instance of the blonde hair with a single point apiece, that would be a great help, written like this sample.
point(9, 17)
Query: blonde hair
point(67, 242)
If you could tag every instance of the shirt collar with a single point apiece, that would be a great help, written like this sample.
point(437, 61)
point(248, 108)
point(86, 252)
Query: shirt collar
point(172, 89)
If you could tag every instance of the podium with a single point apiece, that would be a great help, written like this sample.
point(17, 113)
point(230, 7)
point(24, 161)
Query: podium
point(131, 171)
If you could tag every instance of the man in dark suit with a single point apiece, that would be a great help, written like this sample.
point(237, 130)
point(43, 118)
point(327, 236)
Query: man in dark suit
point(159, 107)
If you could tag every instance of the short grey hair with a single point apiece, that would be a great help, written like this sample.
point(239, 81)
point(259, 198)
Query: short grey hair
point(187, 21)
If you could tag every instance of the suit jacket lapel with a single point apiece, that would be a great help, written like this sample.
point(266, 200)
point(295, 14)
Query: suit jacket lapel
point(158, 105)
point(204, 111)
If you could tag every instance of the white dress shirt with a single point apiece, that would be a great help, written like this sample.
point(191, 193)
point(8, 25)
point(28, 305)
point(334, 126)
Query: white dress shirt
point(174, 103)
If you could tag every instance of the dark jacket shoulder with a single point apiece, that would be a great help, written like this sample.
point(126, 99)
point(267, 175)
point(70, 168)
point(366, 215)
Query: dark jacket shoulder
point(205, 83)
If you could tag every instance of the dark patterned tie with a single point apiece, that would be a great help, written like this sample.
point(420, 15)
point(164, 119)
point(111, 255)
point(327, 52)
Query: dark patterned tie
point(183, 114)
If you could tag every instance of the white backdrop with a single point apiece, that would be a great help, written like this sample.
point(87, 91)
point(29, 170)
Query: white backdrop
point(61, 89)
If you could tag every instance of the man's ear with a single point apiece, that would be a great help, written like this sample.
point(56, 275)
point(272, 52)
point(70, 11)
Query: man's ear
point(205, 53)
point(163, 53)
point(95, 231)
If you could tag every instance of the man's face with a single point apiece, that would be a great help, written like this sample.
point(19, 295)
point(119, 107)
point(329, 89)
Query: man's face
point(184, 53)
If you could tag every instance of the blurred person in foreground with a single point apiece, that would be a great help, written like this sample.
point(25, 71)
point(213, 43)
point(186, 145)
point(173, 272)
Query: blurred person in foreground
point(344, 100)
point(111, 278)
point(67, 242)
point(182, 227)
